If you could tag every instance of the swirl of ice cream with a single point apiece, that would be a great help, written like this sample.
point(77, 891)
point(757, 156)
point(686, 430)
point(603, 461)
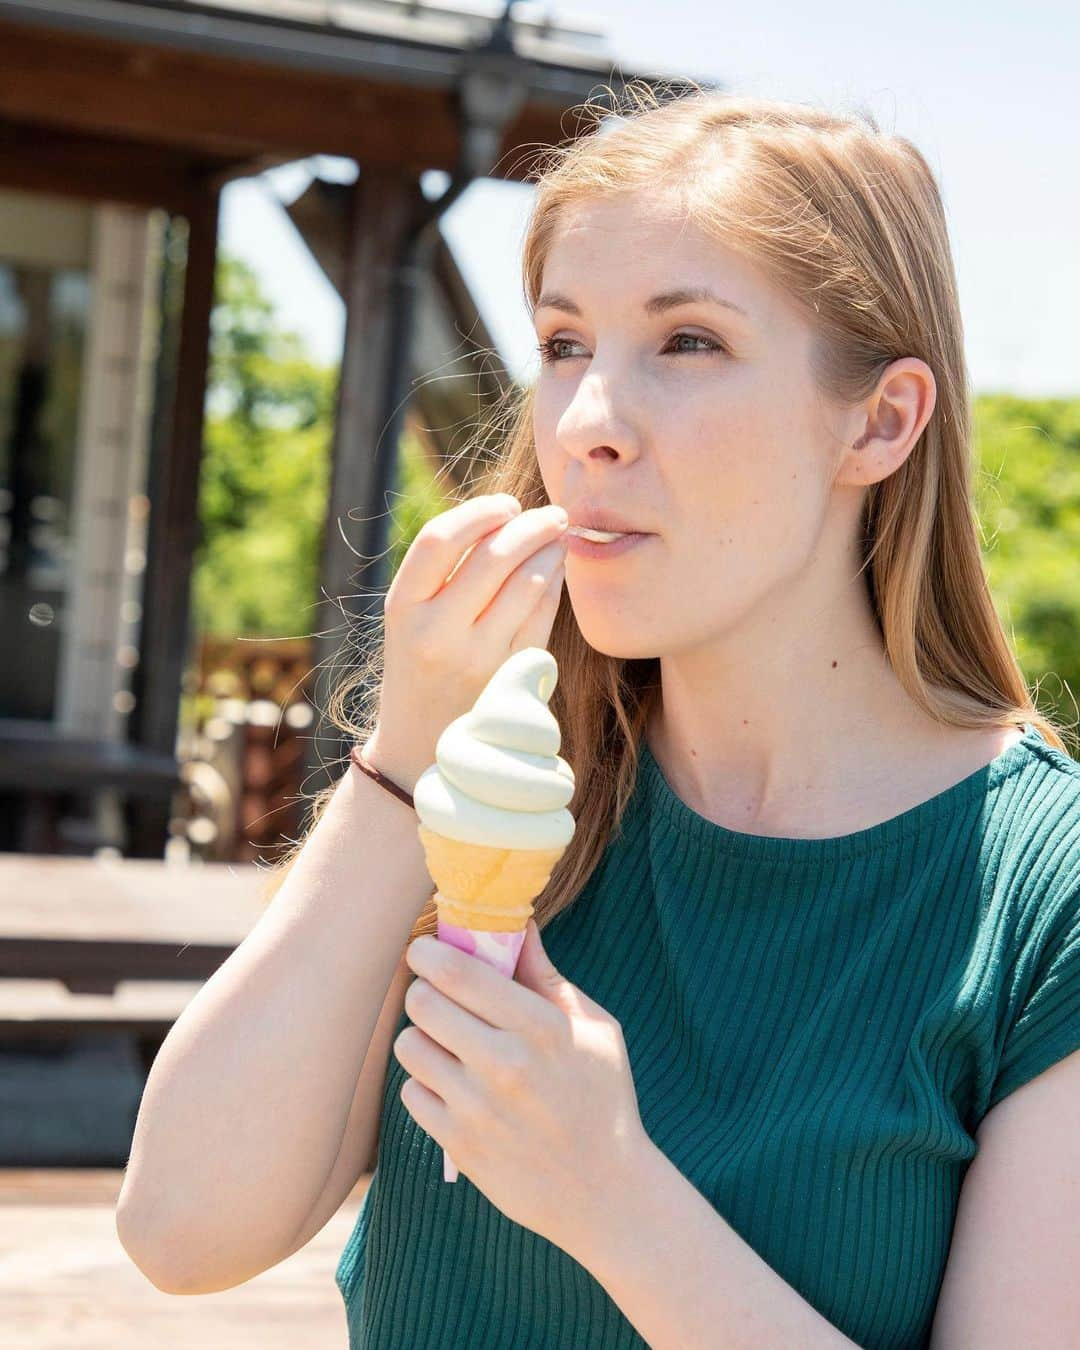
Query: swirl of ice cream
point(498, 778)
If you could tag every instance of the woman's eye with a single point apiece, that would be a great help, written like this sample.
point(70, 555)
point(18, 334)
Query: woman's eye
point(712, 344)
point(549, 348)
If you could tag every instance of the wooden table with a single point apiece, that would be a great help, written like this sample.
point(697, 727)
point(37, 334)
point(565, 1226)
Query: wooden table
point(98, 944)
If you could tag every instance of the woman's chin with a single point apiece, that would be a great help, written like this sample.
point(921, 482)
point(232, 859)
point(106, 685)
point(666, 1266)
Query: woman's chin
point(623, 645)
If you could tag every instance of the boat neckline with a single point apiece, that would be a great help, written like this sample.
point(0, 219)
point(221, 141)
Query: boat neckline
point(694, 828)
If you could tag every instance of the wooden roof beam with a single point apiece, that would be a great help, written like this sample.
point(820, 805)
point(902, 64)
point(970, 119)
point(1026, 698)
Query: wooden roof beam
point(46, 159)
point(236, 109)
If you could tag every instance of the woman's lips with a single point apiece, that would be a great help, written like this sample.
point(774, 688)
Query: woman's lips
point(605, 518)
point(581, 547)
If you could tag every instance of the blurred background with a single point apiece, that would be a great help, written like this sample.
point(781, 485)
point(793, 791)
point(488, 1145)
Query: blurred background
point(259, 286)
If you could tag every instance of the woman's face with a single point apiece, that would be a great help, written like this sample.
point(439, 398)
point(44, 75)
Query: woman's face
point(694, 421)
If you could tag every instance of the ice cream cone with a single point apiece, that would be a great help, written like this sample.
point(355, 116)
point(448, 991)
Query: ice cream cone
point(484, 899)
point(498, 778)
point(483, 887)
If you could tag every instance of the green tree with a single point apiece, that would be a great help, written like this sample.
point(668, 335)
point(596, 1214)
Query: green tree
point(1028, 503)
point(265, 473)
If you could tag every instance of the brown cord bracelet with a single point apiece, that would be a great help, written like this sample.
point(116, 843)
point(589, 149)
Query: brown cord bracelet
point(356, 755)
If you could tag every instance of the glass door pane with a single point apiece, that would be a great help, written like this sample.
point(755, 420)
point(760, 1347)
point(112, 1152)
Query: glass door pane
point(43, 321)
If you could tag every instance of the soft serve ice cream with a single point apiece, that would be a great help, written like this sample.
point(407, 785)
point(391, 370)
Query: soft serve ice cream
point(498, 779)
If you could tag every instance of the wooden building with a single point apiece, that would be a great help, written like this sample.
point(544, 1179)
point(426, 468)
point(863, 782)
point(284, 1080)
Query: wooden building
point(120, 123)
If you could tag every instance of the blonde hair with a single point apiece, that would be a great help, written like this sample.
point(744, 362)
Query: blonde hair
point(849, 222)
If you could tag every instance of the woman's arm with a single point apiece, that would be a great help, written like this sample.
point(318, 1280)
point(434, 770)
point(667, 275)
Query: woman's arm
point(683, 1276)
point(247, 1102)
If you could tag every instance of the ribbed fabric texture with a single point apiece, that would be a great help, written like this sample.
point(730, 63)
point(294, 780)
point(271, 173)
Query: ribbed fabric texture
point(816, 1029)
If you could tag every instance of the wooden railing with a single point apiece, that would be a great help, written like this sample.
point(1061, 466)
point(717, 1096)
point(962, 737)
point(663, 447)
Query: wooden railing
point(243, 752)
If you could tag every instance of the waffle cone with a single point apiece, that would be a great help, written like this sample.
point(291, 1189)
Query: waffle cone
point(486, 888)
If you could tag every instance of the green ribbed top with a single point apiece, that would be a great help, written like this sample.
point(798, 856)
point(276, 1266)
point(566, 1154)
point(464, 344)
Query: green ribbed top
point(816, 1028)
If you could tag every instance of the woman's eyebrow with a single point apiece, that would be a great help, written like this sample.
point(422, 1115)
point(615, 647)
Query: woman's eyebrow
point(685, 295)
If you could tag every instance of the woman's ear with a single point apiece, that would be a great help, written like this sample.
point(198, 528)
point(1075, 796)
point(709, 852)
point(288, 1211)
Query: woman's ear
point(893, 419)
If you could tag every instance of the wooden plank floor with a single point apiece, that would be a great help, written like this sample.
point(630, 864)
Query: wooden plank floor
point(67, 1284)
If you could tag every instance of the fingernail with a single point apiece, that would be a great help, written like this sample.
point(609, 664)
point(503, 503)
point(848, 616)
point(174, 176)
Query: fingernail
point(560, 516)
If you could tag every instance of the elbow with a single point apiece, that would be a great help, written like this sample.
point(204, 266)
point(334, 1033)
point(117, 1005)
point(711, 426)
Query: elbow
point(164, 1258)
point(132, 1236)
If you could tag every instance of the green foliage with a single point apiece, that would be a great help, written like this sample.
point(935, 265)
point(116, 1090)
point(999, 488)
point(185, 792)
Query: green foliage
point(265, 475)
point(1028, 503)
point(421, 498)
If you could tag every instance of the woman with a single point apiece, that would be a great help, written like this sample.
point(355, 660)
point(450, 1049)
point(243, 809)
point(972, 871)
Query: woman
point(835, 929)
point(820, 918)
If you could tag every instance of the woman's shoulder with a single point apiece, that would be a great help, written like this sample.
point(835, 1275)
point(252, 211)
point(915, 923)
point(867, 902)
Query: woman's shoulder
point(1005, 751)
point(1036, 836)
point(1047, 794)
point(1055, 759)
point(1031, 925)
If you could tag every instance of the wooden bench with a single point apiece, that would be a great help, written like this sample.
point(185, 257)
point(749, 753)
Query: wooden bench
point(93, 923)
point(98, 958)
point(48, 1012)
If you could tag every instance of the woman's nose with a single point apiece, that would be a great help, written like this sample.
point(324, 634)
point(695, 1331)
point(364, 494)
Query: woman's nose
point(593, 425)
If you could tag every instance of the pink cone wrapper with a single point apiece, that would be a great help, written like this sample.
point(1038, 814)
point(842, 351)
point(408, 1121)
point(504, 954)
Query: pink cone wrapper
point(498, 950)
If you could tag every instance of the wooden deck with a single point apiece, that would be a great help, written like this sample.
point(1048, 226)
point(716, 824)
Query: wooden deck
point(66, 1283)
point(113, 946)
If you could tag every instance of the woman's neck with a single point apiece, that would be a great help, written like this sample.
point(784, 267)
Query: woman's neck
point(824, 787)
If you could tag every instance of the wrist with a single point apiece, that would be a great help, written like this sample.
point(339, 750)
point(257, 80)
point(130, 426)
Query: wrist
point(618, 1202)
point(393, 763)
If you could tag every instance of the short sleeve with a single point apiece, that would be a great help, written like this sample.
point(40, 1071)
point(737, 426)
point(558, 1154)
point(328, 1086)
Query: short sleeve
point(1047, 1027)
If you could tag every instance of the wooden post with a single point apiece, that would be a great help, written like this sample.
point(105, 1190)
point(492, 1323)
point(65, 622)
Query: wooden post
point(173, 487)
point(383, 206)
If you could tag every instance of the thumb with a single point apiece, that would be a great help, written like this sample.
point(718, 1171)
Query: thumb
point(535, 971)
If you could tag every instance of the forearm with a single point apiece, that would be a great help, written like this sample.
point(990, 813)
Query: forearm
point(684, 1278)
point(246, 1103)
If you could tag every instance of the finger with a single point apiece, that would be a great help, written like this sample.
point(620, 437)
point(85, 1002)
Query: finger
point(472, 1041)
point(520, 595)
point(475, 986)
point(442, 541)
point(428, 1110)
point(536, 630)
point(430, 1063)
point(496, 560)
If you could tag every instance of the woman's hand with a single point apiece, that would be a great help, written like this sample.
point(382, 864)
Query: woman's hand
point(480, 581)
point(524, 1082)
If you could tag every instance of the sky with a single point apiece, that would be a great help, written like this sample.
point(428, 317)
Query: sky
point(988, 95)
